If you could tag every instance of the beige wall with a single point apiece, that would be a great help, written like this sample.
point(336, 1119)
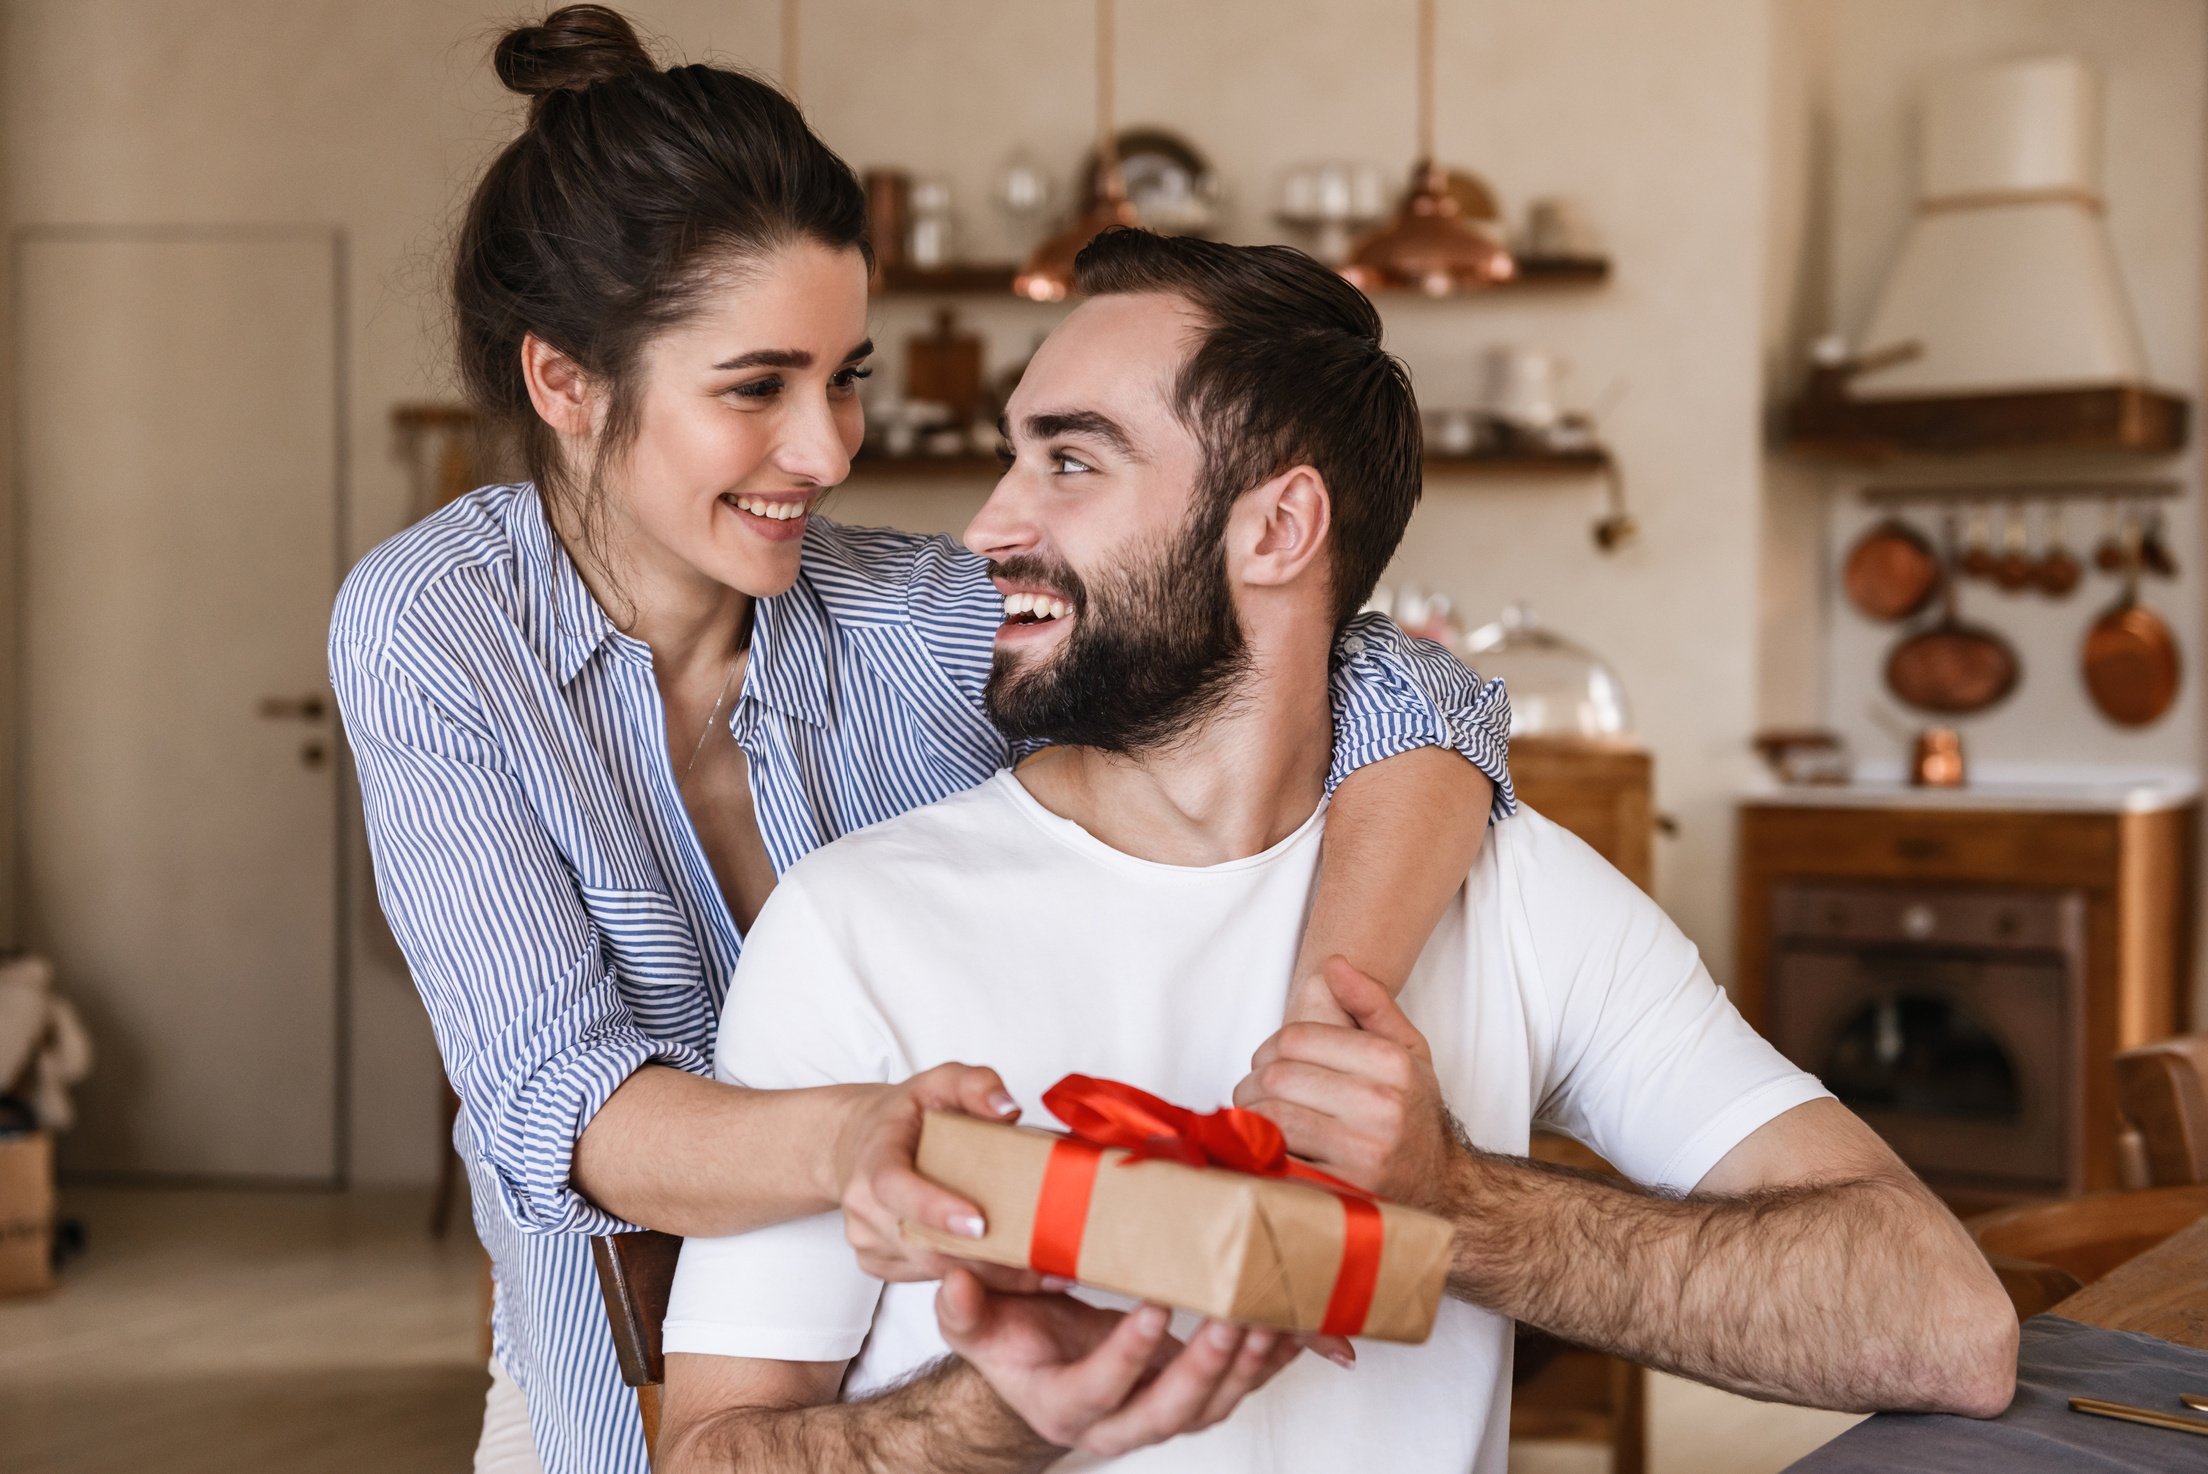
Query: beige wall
point(1678, 123)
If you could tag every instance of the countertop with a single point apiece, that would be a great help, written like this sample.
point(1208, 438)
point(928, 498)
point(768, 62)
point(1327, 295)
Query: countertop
point(2075, 791)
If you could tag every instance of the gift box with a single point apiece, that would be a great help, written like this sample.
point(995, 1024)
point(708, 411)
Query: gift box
point(26, 1213)
point(1202, 1213)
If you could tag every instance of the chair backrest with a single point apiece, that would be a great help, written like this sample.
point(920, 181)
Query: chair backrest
point(2086, 1237)
point(2162, 1093)
point(636, 1271)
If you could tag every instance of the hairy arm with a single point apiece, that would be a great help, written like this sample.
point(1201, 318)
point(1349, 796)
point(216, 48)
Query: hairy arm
point(728, 1413)
point(1032, 1376)
point(1809, 1266)
point(1400, 836)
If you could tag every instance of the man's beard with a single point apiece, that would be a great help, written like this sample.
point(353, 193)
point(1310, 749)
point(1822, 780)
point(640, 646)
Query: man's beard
point(1155, 650)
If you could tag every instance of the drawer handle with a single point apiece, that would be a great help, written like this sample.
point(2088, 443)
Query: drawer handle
point(1919, 847)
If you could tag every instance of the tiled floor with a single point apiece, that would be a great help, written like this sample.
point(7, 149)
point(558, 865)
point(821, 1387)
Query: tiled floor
point(325, 1334)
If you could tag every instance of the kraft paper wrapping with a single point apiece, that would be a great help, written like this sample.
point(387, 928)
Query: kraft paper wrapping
point(1255, 1250)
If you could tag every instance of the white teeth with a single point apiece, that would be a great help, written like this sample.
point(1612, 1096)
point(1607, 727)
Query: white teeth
point(1041, 606)
point(772, 511)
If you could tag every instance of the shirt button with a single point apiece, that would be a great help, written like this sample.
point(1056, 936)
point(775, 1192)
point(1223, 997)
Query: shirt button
point(1354, 646)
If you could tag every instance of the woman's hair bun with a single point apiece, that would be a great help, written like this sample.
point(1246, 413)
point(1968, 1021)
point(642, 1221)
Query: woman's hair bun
point(572, 48)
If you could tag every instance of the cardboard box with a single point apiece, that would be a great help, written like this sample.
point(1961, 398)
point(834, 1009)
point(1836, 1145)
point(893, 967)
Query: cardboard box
point(1263, 1251)
point(26, 1213)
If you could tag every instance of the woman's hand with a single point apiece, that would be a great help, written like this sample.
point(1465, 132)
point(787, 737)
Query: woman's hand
point(879, 1186)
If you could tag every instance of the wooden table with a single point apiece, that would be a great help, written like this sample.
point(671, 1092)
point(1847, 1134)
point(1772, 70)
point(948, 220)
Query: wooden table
point(2163, 1292)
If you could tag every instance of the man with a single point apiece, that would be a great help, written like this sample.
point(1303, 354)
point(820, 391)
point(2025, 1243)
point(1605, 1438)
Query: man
point(1213, 459)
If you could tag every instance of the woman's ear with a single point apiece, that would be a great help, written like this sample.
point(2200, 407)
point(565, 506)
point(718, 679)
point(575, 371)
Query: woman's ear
point(1285, 525)
point(558, 388)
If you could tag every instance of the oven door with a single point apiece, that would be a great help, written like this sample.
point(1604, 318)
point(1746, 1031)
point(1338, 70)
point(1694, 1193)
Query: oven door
point(1958, 1058)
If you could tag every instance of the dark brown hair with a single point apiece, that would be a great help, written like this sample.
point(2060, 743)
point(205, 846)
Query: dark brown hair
point(1288, 371)
point(630, 190)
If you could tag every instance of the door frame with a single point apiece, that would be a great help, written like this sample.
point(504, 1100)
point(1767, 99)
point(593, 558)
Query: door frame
point(341, 771)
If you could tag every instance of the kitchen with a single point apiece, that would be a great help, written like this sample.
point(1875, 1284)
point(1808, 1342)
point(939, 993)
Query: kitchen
point(1749, 172)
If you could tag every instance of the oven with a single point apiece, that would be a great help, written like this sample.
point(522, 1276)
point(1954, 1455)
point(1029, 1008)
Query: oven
point(1948, 1018)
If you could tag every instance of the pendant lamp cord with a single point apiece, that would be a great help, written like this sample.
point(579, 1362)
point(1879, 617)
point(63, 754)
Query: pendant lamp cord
point(1107, 143)
point(1425, 81)
point(789, 49)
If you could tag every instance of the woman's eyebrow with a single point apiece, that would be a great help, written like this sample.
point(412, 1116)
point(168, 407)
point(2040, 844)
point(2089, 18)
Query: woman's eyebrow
point(786, 358)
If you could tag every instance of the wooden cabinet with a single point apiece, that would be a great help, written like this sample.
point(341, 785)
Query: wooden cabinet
point(1601, 791)
point(2133, 870)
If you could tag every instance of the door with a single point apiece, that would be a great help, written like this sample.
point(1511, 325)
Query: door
point(178, 425)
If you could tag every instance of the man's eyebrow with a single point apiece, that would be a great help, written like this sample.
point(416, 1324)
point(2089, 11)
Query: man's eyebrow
point(789, 358)
point(1085, 422)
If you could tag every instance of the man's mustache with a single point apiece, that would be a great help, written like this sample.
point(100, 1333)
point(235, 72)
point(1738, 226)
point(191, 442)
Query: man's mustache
point(1042, 573)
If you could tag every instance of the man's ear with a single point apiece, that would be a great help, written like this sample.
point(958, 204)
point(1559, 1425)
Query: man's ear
point(1283, 528)
point(558, 388)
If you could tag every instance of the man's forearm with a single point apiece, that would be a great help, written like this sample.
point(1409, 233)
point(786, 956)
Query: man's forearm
point(942, 1420)
point(1838, 1294)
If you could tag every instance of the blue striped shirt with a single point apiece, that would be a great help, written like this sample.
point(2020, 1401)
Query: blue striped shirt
point(541, 875)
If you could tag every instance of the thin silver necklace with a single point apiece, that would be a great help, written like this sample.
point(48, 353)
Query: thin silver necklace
point(707, 730)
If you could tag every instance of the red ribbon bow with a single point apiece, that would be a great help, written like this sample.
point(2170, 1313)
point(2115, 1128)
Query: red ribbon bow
point(1105, 1114)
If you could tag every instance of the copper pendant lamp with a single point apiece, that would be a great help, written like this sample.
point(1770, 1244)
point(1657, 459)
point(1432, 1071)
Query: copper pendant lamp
point(1048, 274)
point(1429, 246)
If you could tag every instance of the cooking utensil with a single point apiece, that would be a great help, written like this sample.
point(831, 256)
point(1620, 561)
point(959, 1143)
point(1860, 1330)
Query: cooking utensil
point(2154, 553)
point(2012, 571)
point(1891, 572)
point(2115, 532)
point(2130, 660)
point(2059, 570)
point(2125, 1412)
point(1937, 761)
point(1952, 667)
point(1977, 559)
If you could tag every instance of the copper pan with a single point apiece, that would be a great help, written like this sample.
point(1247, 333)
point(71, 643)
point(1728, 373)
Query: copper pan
point(1891, 571)
point(1952, 667)
point(2131, 660)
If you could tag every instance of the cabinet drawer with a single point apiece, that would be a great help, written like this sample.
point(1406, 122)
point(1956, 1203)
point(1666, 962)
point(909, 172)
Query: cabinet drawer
point(2062, 850)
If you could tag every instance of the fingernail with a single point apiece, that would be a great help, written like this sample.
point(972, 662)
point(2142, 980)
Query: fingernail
point(1055, 1283)
point(967, 1226)
point(1151, 1319)
point(1343, 1360)
point(1222, 1335)
point(1002, 1104)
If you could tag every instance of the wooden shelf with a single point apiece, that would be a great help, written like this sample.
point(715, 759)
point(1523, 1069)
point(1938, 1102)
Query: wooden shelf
point(995, 279)
point(2126, 418)
point(977, 467)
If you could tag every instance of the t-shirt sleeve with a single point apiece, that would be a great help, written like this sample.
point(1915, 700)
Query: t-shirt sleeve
point(1650, 1064)
point(797, 1015)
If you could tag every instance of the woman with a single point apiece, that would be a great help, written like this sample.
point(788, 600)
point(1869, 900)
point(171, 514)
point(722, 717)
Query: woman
point(595, 714)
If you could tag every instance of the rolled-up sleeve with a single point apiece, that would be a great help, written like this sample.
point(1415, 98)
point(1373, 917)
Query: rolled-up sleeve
point(534, 1032)
point(1394, 692)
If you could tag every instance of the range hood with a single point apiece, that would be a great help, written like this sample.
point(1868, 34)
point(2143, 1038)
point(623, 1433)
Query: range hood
point(2003, 324)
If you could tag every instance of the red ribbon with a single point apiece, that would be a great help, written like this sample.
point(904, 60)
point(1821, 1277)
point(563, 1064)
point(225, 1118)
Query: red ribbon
point(1107, 1113)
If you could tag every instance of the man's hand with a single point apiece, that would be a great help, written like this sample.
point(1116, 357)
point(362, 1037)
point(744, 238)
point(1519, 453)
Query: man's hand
point(879, 1186)
point(1361, 1101)
point(1099, 1381)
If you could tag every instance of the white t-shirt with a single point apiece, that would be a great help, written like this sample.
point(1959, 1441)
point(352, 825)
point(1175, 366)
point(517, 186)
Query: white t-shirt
point(986, 929)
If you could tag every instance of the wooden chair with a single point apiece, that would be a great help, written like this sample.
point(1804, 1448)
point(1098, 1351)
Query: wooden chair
point(2162, 1094)
point(635, 1273)
point(2045, 1252)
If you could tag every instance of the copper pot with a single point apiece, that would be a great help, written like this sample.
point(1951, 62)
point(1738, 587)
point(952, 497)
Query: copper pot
point(2131, 661)
point(1952, 667)
point(1891, 571)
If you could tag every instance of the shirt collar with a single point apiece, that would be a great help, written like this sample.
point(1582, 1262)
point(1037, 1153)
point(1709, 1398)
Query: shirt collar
point(561, 614)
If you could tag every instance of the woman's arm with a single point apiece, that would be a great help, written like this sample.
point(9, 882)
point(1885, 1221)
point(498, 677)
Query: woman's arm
point(1400, 837)
point(588, 1122)
point(1421, 763)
